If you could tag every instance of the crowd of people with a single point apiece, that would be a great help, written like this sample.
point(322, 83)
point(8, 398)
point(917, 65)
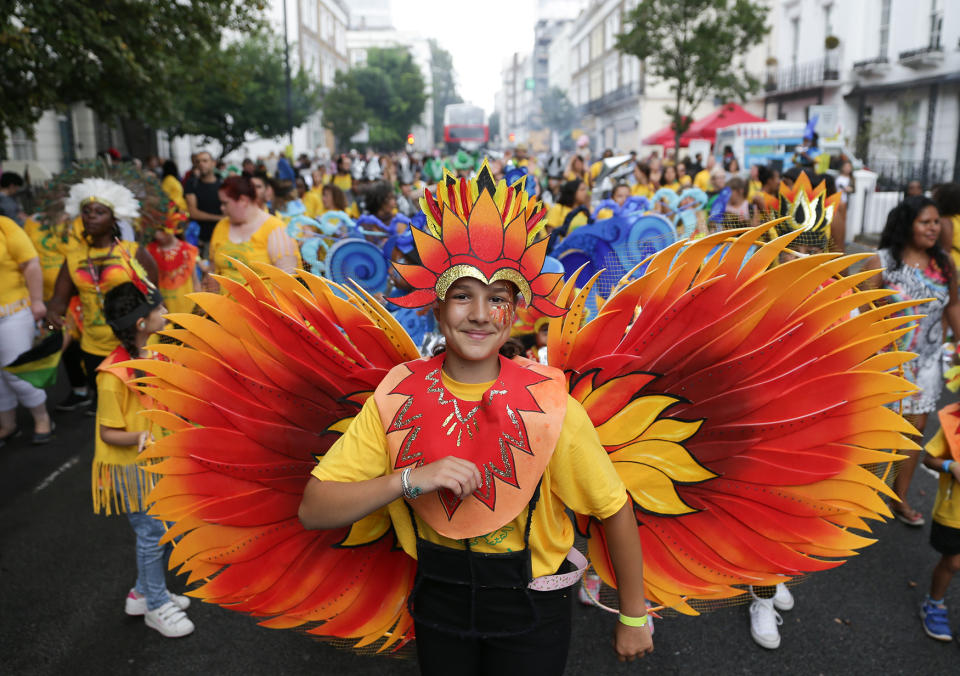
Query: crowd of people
point(89, 275)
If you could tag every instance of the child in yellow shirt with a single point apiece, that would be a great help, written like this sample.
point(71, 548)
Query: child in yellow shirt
point(120, 481)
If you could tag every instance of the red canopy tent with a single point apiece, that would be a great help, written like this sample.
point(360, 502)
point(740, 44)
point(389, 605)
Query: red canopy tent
point(705, 128)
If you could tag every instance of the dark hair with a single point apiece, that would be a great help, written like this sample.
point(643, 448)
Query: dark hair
point(765, 173)
point(663, 174)
point(377, 195)
point(618, 186)
point(644, 169)
point(793, 173)
point(10, 178)
point(947, 197)
point(336, 195)
point(898, 233)
point(737, 183)
point(568, 192)
point(340, 161)
point(236, 187)
point(170, 169)
point(120, 301)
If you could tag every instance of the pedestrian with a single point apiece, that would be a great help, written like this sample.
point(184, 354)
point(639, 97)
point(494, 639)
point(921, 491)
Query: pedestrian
point(916, 267)
point(96, 264)
point(914, 189)
point(172, 186)
point(203, 202)
point(120, 479)
point(510, 624)
point(944, 534)
point(11, 184)
point(247, 234)
point(947, 197)
point(176, 263)
point(21, 306)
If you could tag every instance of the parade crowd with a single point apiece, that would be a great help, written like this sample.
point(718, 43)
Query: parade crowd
point(93, 267)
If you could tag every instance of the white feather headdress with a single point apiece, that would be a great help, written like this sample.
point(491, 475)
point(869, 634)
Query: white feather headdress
point(121, 201)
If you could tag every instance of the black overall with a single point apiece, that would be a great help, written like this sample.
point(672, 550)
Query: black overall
point(475, 614)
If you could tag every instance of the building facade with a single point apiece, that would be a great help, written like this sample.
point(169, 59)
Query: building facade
point(883, 77)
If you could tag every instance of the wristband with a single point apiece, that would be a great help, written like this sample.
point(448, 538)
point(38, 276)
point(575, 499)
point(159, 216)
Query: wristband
point(409, 492)
point(945, 467)
point(633, 621)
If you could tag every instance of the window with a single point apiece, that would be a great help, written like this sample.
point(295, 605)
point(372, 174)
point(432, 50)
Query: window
point(583, 93)
point(827, 28)
point(23, 147)
point(610, 29)
point(908, 132)
point(584, 53)
point(596, 42)
point(936, 24)
point(596, 83)
point(884, 28)
point(794, 40)
point(308, 14)
point(611, 74)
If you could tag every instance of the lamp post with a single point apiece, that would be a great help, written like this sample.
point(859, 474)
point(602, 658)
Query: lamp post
point(286, 69)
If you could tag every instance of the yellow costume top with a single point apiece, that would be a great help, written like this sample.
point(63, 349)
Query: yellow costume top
point(579, 476)
point(955, 245)
point(641, 190)
point(174, 190)
point(313, 201)
point(95, 271)
point(702, 180)
point(177, 271)
point(558, 213)
point(254, 249)
point(342, 181)
point(50, 248)
point(15, 250)
point(119, 482)
point(946, 506)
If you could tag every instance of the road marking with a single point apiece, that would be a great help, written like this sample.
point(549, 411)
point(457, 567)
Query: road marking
point(57, 472)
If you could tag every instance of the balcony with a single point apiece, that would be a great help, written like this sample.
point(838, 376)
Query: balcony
point(872, 67)
point(610, 100)
point(803, 76)
point(925, 57)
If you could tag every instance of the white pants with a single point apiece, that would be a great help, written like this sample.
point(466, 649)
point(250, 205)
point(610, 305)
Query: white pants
point(16, 337)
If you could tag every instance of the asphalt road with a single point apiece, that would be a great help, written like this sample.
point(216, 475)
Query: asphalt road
point(64, 573)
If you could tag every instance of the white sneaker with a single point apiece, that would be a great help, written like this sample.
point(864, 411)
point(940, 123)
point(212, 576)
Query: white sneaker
point(137, 605)
point(783, 599)
point(764, 621)
point(169, 620)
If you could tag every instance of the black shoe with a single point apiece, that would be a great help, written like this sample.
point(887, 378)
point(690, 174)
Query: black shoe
point(15, 433)
point(40, 438)
point(73, 402)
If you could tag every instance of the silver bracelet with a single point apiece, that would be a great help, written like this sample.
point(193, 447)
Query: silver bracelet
point(409, 492)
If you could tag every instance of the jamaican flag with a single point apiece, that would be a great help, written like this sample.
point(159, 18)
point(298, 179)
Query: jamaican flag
point(38, 365)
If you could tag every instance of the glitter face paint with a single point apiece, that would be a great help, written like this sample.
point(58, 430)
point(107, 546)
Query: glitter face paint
point(500, 316)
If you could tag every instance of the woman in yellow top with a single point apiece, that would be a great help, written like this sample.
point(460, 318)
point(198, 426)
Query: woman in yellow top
point(50, 247)
point(21, 305)
point(947, 197)
point(120, 483)
point(575, 169)
point(176, 264)
point(172, 186)
point(573, 194)
point(641, 185)
point(669, 178)
point(98, 263)
point(247, 234)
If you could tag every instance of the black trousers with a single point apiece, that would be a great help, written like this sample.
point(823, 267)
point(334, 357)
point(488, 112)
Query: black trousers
point(73, 362)
point(90, 364)
point(542, 650)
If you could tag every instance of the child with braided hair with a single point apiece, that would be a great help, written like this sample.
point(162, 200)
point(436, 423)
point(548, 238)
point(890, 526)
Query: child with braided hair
point(120, 482)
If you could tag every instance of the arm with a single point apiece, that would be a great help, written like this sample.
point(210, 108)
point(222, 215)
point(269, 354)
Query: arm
point(334, 504)
point(196, 213)
point(33, 276)
point(936, 464)
point(149, 265)
point(282, 250)
point(946, 234)
point(952, 310)
point(626, 554)
point(118, 436)
point(63, 290)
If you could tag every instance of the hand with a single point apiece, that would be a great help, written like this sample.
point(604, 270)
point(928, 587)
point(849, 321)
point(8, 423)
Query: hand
point(208, 283)
point(145, 440)
point(955, 470)
point(457, 475)
point(38, 309)
point(632, 642)
point(54, 318)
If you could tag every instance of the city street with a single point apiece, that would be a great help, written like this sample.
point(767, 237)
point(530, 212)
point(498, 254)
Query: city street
point(64, 573)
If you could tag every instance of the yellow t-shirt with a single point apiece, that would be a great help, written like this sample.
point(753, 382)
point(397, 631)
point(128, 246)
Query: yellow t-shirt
point(252, 250)
point(955, 247)
point(754, 188)
point(15, 250)
point(342, 181)
point(94, 272)
point(50, 247)
point(946, 506)
point(579, 476)
point(558, 213)
point(174, 190)
point(118, 477)
point(595, 170)
point(675, 186)
point(641, 190)
point(313, 201)
point(702, 180)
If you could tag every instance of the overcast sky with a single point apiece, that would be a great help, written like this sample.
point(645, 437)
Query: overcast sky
point(479, 35)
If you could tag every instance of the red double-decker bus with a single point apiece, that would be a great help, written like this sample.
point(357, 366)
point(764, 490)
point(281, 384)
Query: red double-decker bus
point(464, 126)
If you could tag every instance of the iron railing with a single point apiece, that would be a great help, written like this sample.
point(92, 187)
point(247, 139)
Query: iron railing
point(803, 75)
point(894, 175)
point(599, 105)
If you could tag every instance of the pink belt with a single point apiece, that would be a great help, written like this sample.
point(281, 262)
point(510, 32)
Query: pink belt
point(562, 580)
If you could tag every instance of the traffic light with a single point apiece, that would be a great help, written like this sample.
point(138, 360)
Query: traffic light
point(512, 137)
point(409, 139)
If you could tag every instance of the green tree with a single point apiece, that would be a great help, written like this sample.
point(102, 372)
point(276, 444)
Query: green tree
point(343, 109)
point(394, 95)
point(239, 91)
point(559, 115)
point(443, 86)
point(697, 46)
point(123, 58)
